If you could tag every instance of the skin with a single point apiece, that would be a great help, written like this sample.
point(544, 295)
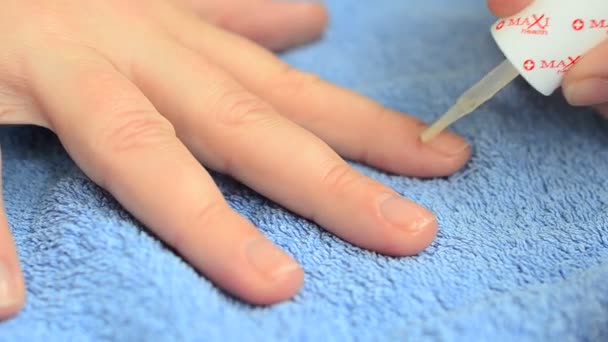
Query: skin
point(586, 84)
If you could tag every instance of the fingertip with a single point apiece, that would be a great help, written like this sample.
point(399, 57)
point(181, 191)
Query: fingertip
point(301, 23)
point(423, 233)
point(10, 312)
point(12, 284)
point(254, 269)
point(282, 288)
point(495, 7)
point(400, 149)
point(318, 16)
point(12, 292)
point(280, 25)
point(416, 237)
point(505, 8)
point(409, 156)
point(410, 227)
point(265, 291)
point(449, 151)
point(274, 276)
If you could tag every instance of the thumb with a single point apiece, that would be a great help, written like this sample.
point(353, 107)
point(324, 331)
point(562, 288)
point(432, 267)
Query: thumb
point(586, 84)
point(12, 288)
point(505, 8)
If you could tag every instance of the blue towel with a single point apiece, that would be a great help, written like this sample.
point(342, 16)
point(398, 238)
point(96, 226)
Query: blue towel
point(522, 248)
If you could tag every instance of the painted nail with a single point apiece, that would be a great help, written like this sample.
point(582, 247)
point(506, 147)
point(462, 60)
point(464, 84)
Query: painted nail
point(587, 92)
point(269, 260)
point(404, 213)
point(448, 144)
point(8, 287)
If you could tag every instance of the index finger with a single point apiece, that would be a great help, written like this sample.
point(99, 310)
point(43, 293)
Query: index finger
point(354, 126)
point(505, 8)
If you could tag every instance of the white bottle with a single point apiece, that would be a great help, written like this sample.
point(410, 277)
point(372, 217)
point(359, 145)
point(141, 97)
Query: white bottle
point(541, 43)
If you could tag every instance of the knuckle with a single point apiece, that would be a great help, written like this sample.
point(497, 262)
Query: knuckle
point(198, 226)
point(290, 81)
point(16, 108)
point(133, 130)
point(237, 108)
point(339, 177)
point(206, 216)
point(99, 84)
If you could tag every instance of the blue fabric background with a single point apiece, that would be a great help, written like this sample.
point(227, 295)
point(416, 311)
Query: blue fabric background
point(522, 249)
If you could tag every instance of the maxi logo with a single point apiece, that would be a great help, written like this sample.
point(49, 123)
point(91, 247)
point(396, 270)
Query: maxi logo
point(537, 24)
point(599, 24)
point(560, 66)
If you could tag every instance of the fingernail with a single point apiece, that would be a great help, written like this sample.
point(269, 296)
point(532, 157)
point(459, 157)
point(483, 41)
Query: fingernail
point(8, 287)
point(587, 92)
point(404, 213)
point(448, 144)
point(269, 260)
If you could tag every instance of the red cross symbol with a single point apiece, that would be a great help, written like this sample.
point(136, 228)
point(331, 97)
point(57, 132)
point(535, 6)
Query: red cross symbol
point(529, 65)
point(578, 24)
point(500, 25)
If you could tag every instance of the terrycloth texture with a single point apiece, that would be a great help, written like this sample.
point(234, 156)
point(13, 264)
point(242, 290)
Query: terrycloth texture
point(522, 249)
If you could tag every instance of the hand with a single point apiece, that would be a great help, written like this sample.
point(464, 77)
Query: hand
point(140, 91)
point(586, 84)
